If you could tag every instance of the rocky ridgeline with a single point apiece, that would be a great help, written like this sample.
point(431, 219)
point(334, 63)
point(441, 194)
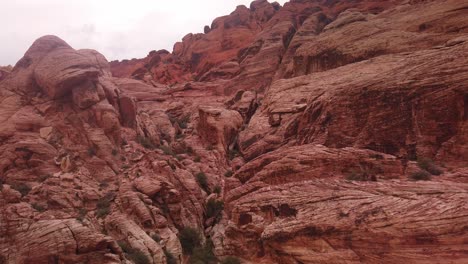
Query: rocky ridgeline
point(316, 132)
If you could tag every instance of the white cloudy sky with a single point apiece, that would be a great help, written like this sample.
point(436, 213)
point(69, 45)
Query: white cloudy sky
point(120, 29)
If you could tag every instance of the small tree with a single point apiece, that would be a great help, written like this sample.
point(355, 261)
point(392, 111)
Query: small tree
point(189, 239)
point(420, 176)
point(202, 181)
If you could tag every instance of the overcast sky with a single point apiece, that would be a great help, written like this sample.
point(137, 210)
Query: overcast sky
point(119, 29)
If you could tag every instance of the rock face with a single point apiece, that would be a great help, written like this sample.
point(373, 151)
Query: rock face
point(4, 72)
point(314, 132)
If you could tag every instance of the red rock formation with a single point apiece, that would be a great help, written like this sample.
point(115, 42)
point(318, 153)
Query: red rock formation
point(295, 134)
point(4, 71)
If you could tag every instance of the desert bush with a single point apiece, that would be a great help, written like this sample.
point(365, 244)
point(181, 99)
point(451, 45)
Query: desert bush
point(182, 122)
point(429, 166)
point(156, 238)
point(197, 159)
point(202, 181)
point(228, 173)
point(23, 188)
point(170, 259)
point(217, 189)
point(203, 255)
point(145, 142)
point(103, 205)
point(92, 151)
point(138, 257)
point(420, 176)
point(115, 152)
point(233, 153)
point(38, 207)
point(81, 214)
point(361, 176)
point(231, 260)
point(44, 177)
point(167, 150)
point(133, 254)
point(214, 208)
point(189, 239)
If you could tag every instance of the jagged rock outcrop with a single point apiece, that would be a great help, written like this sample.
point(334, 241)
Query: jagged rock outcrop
point(4, 72)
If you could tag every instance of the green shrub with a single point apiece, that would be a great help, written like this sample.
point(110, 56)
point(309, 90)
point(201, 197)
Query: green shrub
point(138, 257)
point(133, 254)
point(214, 208)
point(81, 214)
point(228, 173)
point(170, 259)
point(38, 207)
point(124, 246)
point(173, 167)
point(167, 150)
point(203, 255)
point(102, 212)
point(231, 260)
point(92, 151)
point(189, 239)
point(217, 189)
point(233, 153)
point(156, 238)
point(44, 177)
point(210, 147)
point(197, 159)
point(145, 142)
point(420, 176)
point(202, 181)
point(361, 176)
point(103, 205)
point(23, 188)
point(429, 166)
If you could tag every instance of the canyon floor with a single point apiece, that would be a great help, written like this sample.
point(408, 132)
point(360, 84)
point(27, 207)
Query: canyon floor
point(315, 132)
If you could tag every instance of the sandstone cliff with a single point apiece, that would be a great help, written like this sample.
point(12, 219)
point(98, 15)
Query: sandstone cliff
point(314, 132)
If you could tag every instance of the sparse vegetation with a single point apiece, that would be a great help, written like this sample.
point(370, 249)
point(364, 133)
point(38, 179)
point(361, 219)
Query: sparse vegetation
point(138, 257)
point(124, 246)
point(210, 147)
point(189, 239)
point(44, 177)
point(203, 255)
point(38, 207)
point(133, 254)
point(167, 150)
point(214, 208)
point(156, 238)
point(23, 188)
point(115, 152)
point(361, 176)
point(429, 166)
point(170, 259)
point(202, 181)
point(197, 159)
point(217, 189)
point(182, 122)
point(231, 260)
point(81, 214)
point(92, 151)
point(145, 142)
point(420, 176)
point(103, 205)
point(232, 154)
point(228, 173)
point(173, 167)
